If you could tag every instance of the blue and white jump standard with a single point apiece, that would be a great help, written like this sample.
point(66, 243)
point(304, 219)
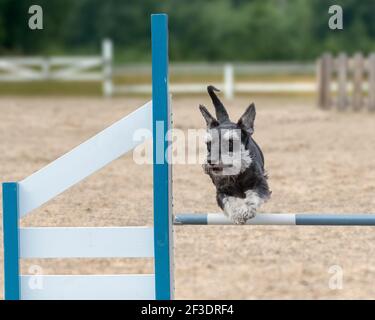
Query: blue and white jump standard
point(20, 198)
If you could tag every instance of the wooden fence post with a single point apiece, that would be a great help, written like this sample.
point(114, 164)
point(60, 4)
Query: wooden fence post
point(342, 77)
point(228, 81)
point(371, 82)
point(358, 70)
point(46, 68)
point(107, 54)
point(324, 77)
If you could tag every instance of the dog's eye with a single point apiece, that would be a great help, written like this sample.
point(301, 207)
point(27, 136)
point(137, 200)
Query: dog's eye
point(230, 145)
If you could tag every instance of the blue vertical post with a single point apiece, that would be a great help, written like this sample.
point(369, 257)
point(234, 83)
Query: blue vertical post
point(163, 238)
point(11, 241)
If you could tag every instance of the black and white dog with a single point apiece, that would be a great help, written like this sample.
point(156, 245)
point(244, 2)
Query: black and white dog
point(235, 162)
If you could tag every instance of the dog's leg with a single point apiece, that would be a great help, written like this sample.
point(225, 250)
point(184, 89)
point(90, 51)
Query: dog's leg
point(233, 207)
point(253, 202)
point(256, 196)
point(239, 210)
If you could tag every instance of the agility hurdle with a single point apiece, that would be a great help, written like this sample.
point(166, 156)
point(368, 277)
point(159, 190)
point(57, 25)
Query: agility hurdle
point(20, 198)
point(286, 219)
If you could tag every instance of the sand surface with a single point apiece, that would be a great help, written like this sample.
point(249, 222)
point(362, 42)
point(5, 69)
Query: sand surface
point(317, 162)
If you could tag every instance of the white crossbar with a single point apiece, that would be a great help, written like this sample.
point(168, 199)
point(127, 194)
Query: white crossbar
point(61, 60)
point(105, 242)
point(83, 76)
point(88, 287)
point(221, 219)
point(83, 160)
point(238, 87)
point(259, 219)
point(18, 70)
point(275, 87)
point(75, 68)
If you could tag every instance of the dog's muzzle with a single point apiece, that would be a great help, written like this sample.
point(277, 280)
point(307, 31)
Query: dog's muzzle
point(216, 168)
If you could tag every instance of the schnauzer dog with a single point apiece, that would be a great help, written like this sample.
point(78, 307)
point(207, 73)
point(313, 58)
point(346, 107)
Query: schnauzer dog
point(235, 163)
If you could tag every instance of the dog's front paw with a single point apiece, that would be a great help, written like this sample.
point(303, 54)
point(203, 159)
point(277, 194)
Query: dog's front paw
point(238, 211)
point(250, 213)
point(242, 215)
point(238, 219)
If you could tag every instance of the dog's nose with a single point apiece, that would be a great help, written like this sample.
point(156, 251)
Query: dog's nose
point(212, 161)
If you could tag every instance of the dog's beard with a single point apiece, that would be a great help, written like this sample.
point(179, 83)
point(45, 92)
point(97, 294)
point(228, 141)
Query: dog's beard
point(240, 162)
point(233, 165)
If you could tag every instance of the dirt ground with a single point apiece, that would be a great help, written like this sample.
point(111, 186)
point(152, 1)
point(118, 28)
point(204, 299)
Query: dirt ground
point(317, 162)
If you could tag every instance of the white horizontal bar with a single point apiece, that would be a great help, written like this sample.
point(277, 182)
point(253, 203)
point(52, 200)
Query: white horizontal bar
point(72, 242)
point(23, 61)
point(22, 78)
point(84, 76)
point(275, 87)
point(88, 287)
point(272, 67)
point(56, 60)
point(43, 77)
point(132, 89)
point(221, 219)
point(75, 68)
point(76, 59)
point(173, 88)
point(349, 86)
point(298, 219)
point(238, 87)
point(259, 219)
point(84, 160)
point(190, 87)
point(286, 87)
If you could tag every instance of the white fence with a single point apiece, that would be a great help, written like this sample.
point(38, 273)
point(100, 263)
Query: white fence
point(75, 68)
point(228, 72)
point(229, 76)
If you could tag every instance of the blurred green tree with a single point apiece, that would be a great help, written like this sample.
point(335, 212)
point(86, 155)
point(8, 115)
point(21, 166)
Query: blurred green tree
point(211, 30)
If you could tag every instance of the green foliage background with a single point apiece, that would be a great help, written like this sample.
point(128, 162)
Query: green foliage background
point(209, 30)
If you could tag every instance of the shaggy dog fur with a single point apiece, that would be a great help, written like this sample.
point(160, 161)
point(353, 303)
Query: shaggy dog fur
point(241, 183)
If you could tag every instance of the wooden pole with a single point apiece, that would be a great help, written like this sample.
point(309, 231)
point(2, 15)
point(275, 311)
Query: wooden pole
point(358, 69)
point(324, 78)
point(342, 77)
point(371, 82)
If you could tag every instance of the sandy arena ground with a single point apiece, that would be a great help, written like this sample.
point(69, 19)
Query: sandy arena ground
point(317, 161)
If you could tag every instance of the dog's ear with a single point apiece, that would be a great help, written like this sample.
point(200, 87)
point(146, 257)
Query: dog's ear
point(221, 113)
point(210, 120)
point(246, 121)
